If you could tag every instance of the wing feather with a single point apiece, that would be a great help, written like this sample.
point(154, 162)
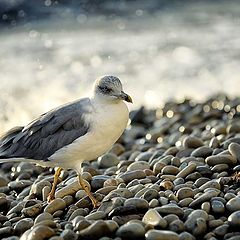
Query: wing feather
point(48, 133)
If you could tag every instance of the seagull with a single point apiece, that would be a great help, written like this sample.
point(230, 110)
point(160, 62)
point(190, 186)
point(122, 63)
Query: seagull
point(75, 132)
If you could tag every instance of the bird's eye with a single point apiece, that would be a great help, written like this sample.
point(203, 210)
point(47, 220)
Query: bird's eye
point(105, 89)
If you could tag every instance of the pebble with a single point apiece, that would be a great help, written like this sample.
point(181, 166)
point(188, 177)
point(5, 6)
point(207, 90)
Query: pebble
point(187, 170)
point(233, 219)
point(96, 215)
point(23, 225)
point(202, 151)
point(56, 204)
point(217, 207)
point(68, 234)
point(170, 208)
point(135, 230)
point(137, 202)
point(70, 189)
point(172, 170)
point(33, 211)
point(234, 149)
point(221, 159)
point(233, 204)
point(192, 142)
point(185, 192)
point(108, 160)
point(152, 217)
point(161, 235)
point(140, 165)
point(40, 232)
point(96, 230)
point(42, 217)
point(131, 175)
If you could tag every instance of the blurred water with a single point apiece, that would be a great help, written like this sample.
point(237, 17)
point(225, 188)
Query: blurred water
point(191, 50)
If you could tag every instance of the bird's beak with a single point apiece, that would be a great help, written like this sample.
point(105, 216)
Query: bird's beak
point(125, 97)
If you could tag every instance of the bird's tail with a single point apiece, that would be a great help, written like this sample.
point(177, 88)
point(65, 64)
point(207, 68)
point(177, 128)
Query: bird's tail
point(38, 162)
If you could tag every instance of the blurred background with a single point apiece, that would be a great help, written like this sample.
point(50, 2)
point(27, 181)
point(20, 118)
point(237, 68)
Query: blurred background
point(51, 51)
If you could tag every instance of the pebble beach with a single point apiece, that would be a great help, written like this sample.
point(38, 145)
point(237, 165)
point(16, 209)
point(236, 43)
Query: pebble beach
point(174, 174)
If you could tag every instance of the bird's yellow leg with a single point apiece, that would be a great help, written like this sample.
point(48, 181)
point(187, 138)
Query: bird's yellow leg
point(51, 195)
point(86, 189)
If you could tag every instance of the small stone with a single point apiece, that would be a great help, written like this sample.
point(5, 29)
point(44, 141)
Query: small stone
point(152, 217)
point(70, 189)
point(137, 202)
point(176, 226)
point(172, 170)
point(95, 231)
point(69, 234)
point(42, 217)
point(233, 204)
point(144, 156)
point(186, 236)
point(220, 159)
point(150, 194)
point(108, 160)
point(202, 151)
point(18, 186)
point(33, 211)
point(40, 232)
point(234, 149)
point(6, 231)
point(45, 192)
point(117, 149)
point(217, 206)
point(37, 187)
point(140, 165)
point(161, 235)
point(210, 184)
point(184, 192)
point(192, 142)
point(3, 181)
point(23, 225)
point(234, 219)
point(170, 208)
point(56, 204)
point(134, 230)
point(129, 176)
point(204, 197)
point(187, 170)
point(96, 215)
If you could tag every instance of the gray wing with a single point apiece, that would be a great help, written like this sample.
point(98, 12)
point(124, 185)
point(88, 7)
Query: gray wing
point(48, 133)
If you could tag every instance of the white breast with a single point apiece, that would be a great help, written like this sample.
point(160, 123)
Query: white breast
point(108, 122)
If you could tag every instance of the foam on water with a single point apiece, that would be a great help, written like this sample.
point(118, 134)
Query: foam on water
point(190, 51)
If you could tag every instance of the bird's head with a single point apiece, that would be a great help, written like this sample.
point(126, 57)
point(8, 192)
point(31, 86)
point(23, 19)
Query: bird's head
point(110, 88)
